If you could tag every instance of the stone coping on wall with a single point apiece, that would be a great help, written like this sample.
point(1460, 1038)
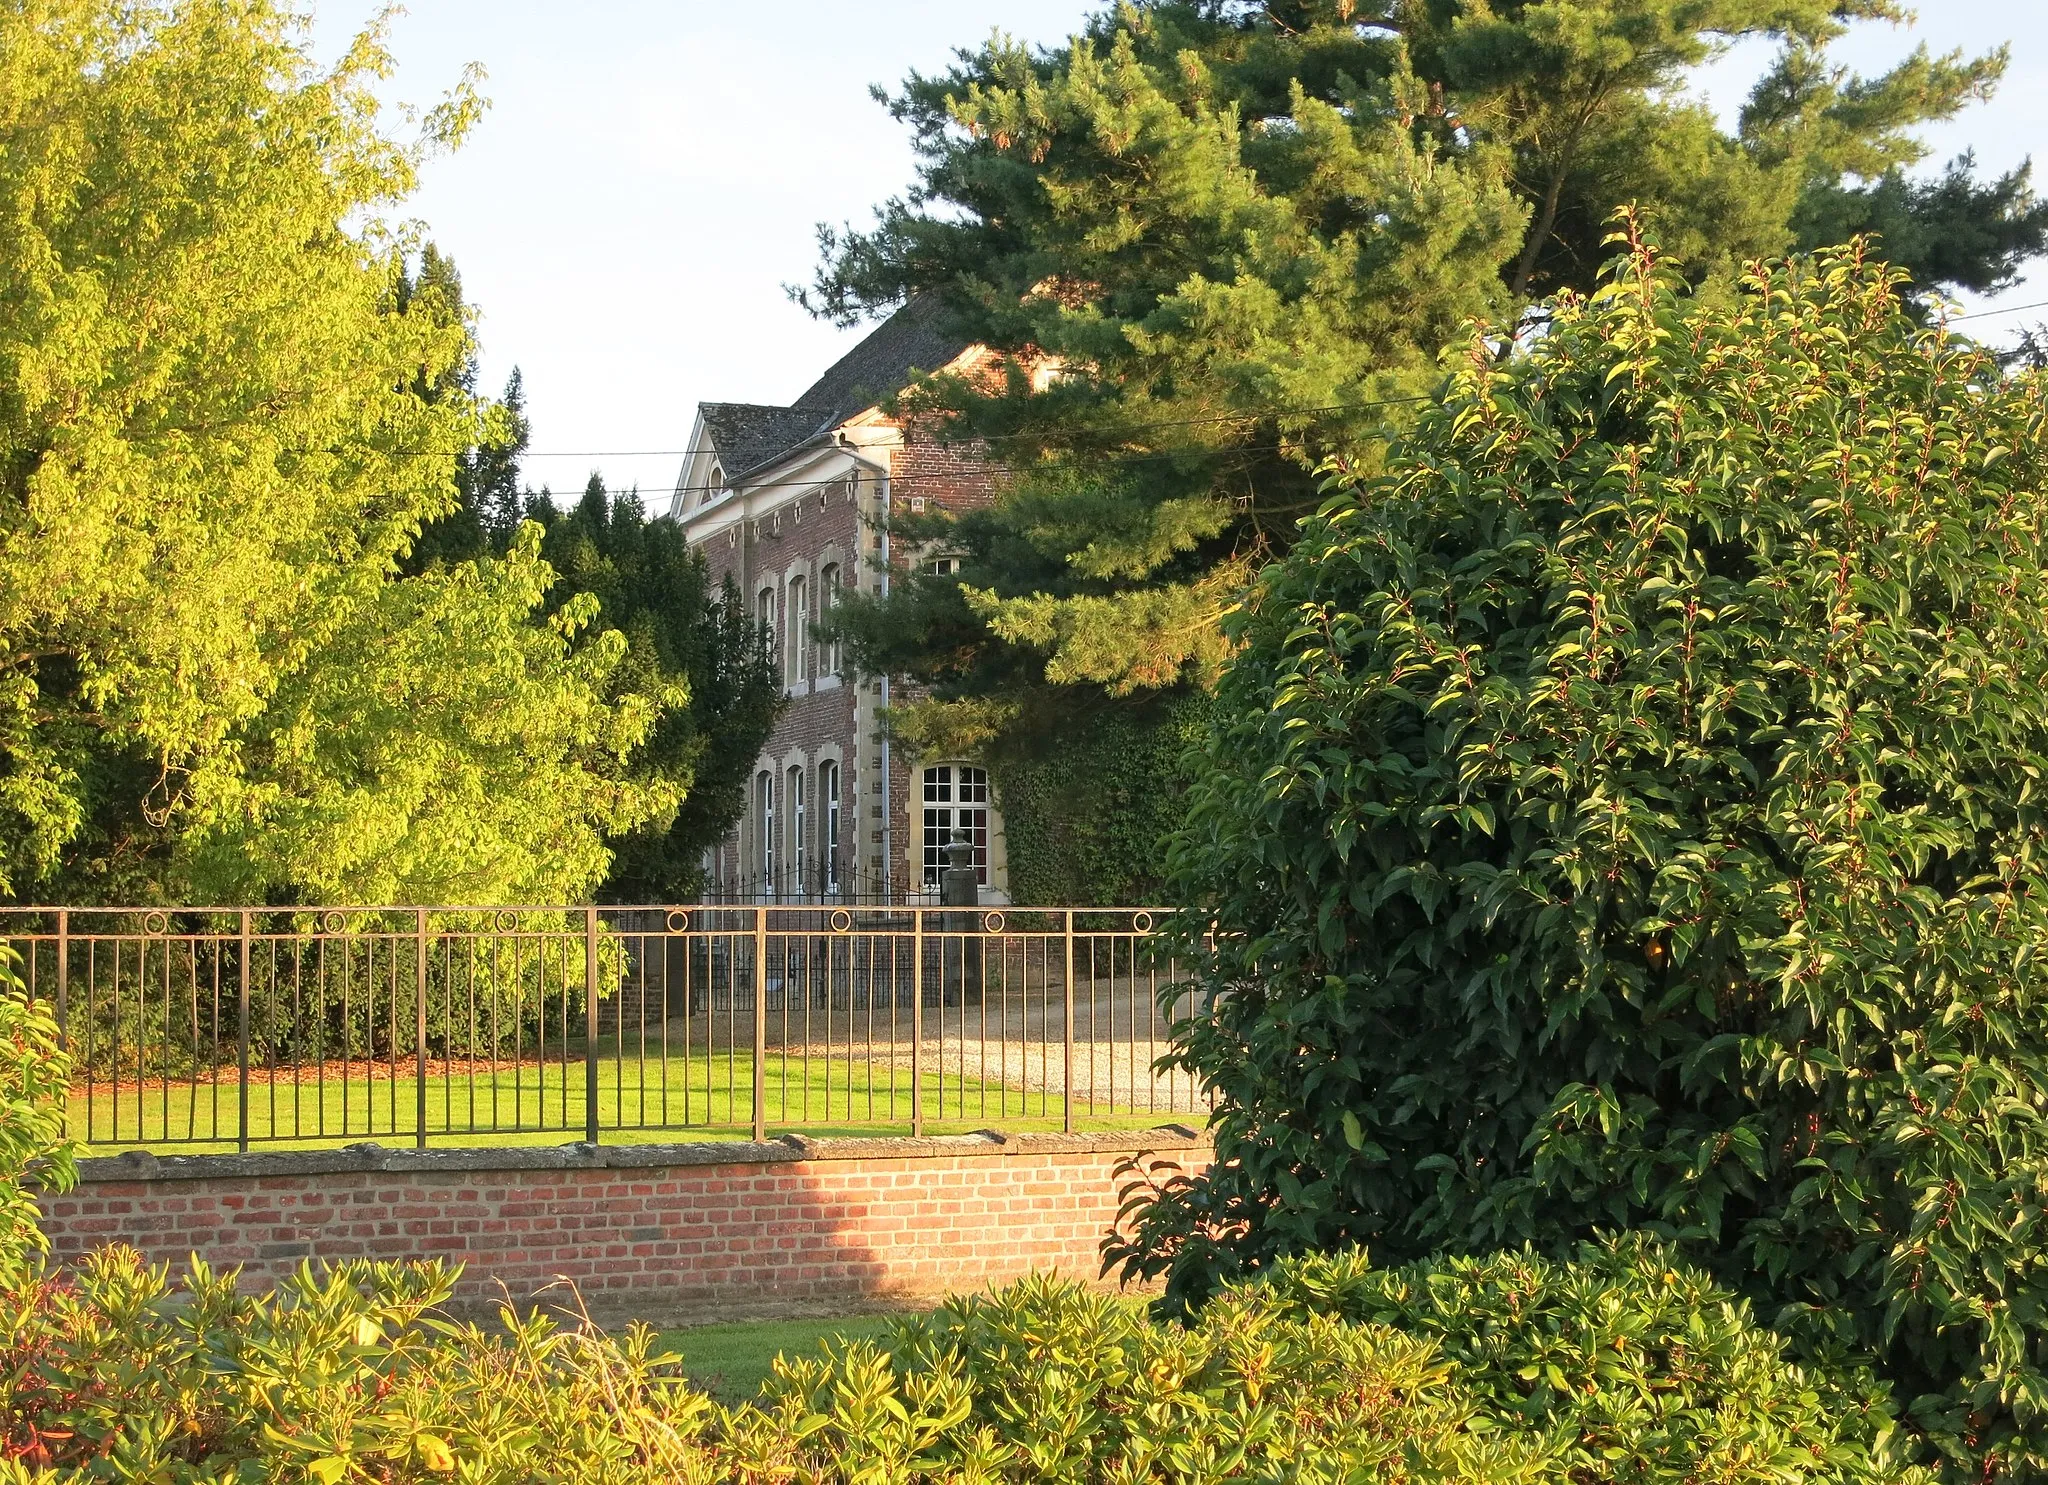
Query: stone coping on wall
point(143, 1165)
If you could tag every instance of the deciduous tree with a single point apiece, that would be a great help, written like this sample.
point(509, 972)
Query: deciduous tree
point(222, 424)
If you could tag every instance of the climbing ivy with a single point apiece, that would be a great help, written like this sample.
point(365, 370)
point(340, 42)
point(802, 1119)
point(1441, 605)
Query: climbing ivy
point(1086, 822)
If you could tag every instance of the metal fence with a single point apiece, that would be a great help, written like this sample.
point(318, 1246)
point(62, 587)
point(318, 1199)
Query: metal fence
point(213, 1028)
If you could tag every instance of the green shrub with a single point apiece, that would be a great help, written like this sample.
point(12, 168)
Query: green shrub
point(1048, 1382)
point(113, 1374)
point(34, 1154)
point(1628, 814)
point(1498, 1373)
point(1633, 1366)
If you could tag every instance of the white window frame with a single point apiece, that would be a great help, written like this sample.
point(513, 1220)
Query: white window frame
point(828, 826)
point(764, 824)
point(793, 797)
point(832, 584)
point(799, 631)
point(955, 795)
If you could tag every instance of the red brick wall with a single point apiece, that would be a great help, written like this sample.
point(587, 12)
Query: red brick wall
point(796, 523)
point(655, 1230)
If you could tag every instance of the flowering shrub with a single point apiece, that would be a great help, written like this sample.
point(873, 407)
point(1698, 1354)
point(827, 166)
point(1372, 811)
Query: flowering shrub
point(1625, 814)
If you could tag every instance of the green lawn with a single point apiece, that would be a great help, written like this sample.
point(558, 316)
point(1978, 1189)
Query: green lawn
point(698, 1096)
point(731, 1361)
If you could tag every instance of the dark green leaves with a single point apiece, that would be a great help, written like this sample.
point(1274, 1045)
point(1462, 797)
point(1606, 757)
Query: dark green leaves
point(1678, 699)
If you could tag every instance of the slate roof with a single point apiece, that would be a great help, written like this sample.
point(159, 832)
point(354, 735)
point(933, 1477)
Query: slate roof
point(748, 435)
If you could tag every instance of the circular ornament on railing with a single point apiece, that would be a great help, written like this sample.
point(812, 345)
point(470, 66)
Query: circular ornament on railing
point(156, 924)
point(332, 922)
point(505, 921)
point(1141, 922)
point(993, 923)
point(842, 920)
point(678, 921)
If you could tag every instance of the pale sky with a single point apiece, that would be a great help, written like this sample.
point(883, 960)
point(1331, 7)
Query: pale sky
point(650, 173)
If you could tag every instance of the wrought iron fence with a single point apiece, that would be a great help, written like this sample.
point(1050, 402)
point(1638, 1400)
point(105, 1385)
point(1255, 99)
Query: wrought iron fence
point(212, 1028)
point(818, 886)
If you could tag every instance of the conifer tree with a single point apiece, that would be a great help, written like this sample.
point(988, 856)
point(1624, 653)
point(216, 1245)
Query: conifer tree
point(680, 631)
point(1232, 239)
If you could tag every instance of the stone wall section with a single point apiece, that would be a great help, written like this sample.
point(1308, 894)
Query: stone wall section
point(670, 1231)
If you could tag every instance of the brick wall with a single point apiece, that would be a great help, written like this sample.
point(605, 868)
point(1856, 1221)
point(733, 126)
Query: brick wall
point(796, 526)
point(653, 1230)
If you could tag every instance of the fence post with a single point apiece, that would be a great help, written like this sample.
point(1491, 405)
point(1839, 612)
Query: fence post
point(1067, 1033)
point(590, 1024)
point(63, 976)
point(242, 1043)
point(419, 1033)
point(917, 1024)
point(760, 1023)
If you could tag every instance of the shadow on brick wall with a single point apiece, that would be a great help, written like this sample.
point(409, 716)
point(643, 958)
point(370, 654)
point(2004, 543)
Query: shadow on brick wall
point(664, 1233)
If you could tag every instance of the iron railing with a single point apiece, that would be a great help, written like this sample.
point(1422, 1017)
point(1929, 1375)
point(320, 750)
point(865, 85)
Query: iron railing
point(232, 1028)
point(813, 886)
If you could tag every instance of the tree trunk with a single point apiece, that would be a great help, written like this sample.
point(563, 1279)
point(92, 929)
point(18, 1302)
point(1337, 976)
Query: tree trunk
point(1539, 230)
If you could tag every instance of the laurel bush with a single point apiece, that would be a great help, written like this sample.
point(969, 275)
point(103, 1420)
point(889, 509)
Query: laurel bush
point(1628, 813)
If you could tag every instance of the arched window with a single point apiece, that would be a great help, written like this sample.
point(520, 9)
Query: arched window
point(955, 798)
point(829, 601)
point(764, 607)
point(794, 795)
point(799, 630)
point(764, 824)
point(828, 836)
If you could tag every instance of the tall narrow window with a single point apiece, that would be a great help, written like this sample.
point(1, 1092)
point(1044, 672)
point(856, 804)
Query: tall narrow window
point(794, 795)
point(799, 630)
point(955, 798)
point(827, 604)
point(764, 606)
point(828, 838)
point(764, 823)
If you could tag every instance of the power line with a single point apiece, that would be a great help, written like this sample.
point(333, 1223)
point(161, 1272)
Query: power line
point(1243, 417)
point(2003, 309)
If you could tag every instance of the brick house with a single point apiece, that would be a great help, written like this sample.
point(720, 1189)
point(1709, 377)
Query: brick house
point(792, 502)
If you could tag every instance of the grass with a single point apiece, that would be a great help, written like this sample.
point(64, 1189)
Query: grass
point(731, 1361)
point(697, 1096)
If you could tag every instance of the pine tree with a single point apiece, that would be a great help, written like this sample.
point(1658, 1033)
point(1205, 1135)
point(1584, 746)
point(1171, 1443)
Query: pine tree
point(1232, 240)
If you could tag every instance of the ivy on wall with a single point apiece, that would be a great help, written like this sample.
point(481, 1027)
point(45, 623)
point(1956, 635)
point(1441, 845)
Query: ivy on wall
point(1085, 817)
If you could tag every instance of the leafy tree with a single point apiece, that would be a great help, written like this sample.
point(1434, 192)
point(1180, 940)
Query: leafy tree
point(697, 648)
point(1242, 233)
point(1625, 813)
point(225, 413)
point(680, 633)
